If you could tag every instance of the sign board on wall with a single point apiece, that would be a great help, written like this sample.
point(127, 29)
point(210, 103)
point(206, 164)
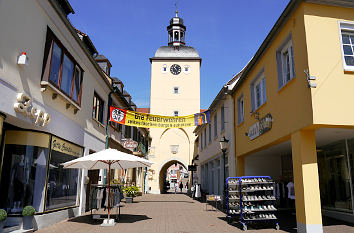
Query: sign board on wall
point(129, 144)
point(65, 147)
point(24, 106)
point(262, 126)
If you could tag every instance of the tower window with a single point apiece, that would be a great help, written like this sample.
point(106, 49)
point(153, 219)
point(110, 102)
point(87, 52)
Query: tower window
point(164, 68)
point(187, 69)
point(175, 113)
point(175, 90)
point(176, 36)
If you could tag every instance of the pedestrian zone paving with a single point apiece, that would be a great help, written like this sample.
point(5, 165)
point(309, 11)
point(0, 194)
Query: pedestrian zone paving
point(172, 213)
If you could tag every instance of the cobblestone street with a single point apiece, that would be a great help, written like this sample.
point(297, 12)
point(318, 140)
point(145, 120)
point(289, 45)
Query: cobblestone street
point(172, 213)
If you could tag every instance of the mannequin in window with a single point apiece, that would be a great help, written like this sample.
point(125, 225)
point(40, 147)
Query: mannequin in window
point(18, 180)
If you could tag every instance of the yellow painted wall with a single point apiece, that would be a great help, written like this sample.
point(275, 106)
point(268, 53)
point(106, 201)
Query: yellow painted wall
point(290, 106)
point(334, 93)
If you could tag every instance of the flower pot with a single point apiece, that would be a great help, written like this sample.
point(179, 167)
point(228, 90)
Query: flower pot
point(27, 222)
point(129, 200)
point(2, 224)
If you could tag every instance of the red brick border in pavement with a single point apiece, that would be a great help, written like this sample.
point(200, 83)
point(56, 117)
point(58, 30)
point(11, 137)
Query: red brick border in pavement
point(167, 213)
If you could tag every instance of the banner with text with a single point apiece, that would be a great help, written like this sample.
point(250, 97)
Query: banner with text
point(145, 120)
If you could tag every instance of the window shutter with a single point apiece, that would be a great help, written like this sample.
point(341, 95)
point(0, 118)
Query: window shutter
point(252, 98)
point(280, 70)
point(264, 91)
point(292, 60)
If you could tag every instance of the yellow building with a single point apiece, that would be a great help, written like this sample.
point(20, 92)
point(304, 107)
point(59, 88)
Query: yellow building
point(175, 91)
point(293, 114)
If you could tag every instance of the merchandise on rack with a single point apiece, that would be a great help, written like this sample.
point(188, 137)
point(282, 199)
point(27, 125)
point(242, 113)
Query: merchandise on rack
point(251, 199)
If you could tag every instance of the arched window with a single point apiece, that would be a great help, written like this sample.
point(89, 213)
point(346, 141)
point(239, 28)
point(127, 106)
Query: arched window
point(170, 37)
point(176, 36)
point(182, 37)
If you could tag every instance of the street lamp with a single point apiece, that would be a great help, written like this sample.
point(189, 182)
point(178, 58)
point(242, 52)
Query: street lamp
point(223, 146)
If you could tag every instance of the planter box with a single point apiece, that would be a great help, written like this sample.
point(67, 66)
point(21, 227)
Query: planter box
point(129, 200)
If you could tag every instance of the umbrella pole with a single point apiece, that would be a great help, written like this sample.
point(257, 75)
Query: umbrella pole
point(109, 187)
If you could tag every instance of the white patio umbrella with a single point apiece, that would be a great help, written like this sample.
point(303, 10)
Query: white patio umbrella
point(108, 159)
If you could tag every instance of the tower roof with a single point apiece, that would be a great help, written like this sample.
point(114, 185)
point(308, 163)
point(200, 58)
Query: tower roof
point(172, 52)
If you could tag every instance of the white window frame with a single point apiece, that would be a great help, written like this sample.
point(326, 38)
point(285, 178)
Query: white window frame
point(216, 125)
point(258, 82)
point(347, 28)
point(240, 109)
point(285, 64)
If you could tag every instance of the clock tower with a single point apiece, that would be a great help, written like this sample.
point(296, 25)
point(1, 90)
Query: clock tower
point(175, 91)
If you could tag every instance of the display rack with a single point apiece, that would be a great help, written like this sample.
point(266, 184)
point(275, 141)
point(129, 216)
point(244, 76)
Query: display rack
point(251, 200)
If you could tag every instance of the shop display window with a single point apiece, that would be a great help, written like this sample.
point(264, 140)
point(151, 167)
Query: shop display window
point(23, 173)
point(334, 176)
point(62, 183)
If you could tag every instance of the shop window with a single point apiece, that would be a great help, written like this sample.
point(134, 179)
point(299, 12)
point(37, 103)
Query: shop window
point(62, 187)
point(258, 91)
point(23, 171)
point(334, 175)
point(347, 44)
point(240, 110)
point(127, 132)
point(285, 62)
point(61, 70)
point(98, 108)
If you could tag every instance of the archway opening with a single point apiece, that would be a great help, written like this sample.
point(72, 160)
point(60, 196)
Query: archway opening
point(172, 175)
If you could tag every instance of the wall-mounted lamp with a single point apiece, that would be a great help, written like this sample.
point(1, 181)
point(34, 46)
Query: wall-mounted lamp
point(22, 59)
point(309, 78)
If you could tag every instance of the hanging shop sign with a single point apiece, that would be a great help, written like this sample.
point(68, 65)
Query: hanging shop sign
point(145, 120)
point(262, 126)
point(129, 144)
point(65, 147)
point(192, 168)
point(25, 107)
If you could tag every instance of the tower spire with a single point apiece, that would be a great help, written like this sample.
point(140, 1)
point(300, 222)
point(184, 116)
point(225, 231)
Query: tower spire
point(176, 8)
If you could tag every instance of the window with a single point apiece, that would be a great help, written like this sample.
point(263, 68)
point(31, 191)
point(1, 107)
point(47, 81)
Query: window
point(98, 108)
point(127, 132)
point(60, 69)
point(164, 68)
point(187, 69)
point(175, 113)
point(209, 125)
point(285, 62)
point(240, 110)
point(205, 138)
point(222, 121)
point(347, 41)
point(258, 92)
point(215, 125)
point(201, 140)
point(175, 90)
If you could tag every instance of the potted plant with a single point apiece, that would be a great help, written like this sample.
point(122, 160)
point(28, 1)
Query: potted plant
point(3, 216)
point(28, 213)
point(130, 192)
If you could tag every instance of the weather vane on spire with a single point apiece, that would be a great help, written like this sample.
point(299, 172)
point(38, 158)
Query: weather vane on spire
point(176, 8)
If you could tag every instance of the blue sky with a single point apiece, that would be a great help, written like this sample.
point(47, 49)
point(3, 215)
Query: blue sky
point(226, 34)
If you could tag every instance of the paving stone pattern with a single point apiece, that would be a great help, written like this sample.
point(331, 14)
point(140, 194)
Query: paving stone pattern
point(171, 213)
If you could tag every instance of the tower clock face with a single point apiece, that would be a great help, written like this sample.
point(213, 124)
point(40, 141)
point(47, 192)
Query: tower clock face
point(175, 69)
